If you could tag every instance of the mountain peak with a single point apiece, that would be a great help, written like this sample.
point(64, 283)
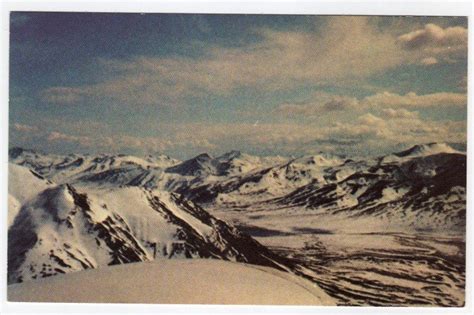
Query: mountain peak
point(202, 157)
point(231, 155)
point(427, 149)
point(197, 165)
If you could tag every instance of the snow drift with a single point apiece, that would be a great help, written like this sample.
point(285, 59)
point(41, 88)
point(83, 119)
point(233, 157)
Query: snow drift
point(194, 281)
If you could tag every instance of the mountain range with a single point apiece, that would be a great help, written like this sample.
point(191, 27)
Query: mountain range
point(78, 211)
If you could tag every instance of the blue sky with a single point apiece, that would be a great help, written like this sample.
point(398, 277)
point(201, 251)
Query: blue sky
point(183, 84)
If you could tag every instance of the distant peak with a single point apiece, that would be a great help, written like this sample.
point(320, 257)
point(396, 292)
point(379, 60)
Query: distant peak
point(426, 149)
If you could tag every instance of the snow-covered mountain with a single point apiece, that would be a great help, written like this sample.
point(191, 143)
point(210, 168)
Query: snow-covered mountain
point(229, 164)
point(117, 169)
point(427, 149)
point(411, 181)
point(61, 230)
point(420, 150)
point(57, 229)
point(423, 187)
point(74, 212)
point(426, 191)
point(268, 179)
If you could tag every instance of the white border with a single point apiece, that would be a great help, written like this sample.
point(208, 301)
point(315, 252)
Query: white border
point(329, 7)
point(325, 7)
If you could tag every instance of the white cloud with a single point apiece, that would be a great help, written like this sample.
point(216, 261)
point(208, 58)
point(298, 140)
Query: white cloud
point(371, 130)
point(24, 128)
point(345, 49)
point(411, 99)
point(434, 36)
point(392, 104)
point(366, 130)
point(120, 142)
point(399, 113)
point(363, 133)
point(432, 43)
point(371, 120)
point(429, 61)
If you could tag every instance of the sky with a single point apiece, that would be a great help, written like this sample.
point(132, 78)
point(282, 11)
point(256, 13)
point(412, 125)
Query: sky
point(184, 84)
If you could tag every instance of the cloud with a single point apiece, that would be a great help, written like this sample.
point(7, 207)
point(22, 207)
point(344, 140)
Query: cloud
point(434, 36)
point(366, 127)
point(411, 99)
point(370, 132)
point(320, 103)
point(371, 120)
point(432, 43)
point(367, 130)
point(399, 113)
point(344, 49)
point(55, 136)
point(391, 104)
point(429, 61)
point(24, 128)
point(365, 134)
point(178, 141)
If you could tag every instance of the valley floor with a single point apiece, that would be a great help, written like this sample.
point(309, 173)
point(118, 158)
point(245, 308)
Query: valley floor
point(357, 266)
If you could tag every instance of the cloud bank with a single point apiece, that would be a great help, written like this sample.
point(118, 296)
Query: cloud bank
point(343, 50)
point(271, 79)
point(322, 103)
